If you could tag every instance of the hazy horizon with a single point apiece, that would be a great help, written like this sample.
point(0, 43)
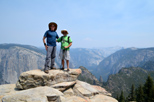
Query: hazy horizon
point(58, 46)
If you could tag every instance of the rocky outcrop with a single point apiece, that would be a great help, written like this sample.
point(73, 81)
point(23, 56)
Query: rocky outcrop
point(35, 78)
point(57, 86)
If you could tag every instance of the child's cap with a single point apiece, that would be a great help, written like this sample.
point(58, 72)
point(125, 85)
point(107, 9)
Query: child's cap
point(64, 31)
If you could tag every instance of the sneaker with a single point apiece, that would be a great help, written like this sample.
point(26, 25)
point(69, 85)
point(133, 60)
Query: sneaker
point(68, 70)
point(46, 71)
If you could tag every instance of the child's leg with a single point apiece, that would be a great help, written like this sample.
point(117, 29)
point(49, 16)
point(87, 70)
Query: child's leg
point(67, 62)
point(63, 62)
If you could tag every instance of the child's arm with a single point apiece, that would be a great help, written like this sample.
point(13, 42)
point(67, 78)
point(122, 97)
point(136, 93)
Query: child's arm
point(58, 40)
point(68, 46)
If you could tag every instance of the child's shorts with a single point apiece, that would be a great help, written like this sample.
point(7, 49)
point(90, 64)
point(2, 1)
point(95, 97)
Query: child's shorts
point(64, 54)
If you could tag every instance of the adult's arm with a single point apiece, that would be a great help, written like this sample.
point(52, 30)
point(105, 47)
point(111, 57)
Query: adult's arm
point(45, 43)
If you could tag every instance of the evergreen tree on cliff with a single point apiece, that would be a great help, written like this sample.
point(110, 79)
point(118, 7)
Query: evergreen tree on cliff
point(140, 94)
point(122, 98)
point(132, 96)
point(148, 89)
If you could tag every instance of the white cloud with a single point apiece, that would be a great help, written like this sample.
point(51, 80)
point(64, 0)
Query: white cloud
point(88, 39)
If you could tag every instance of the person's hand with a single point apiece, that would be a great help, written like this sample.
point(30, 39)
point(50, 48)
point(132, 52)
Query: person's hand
point(66, 47)
point(46, 47)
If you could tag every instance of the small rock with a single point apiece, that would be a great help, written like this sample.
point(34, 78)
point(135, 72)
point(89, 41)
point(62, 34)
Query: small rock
point(103, 98)
point(68, 92)
point(53, 98)
point(102, 90)
point(64, 85)
point(85, 89)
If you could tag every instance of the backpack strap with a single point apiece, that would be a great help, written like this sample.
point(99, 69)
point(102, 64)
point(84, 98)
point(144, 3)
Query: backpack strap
point(68, 39)
point(62, 38)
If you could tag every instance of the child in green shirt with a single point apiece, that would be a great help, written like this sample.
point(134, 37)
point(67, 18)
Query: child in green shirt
point(66, 42)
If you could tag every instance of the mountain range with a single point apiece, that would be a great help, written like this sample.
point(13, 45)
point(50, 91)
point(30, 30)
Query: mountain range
point(130, 57)
point(17, 58)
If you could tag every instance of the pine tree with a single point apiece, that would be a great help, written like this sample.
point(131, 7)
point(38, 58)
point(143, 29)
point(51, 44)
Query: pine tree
point(126, 99)
point(117, 97)
point(148, 87)
point(152, 94)
point(122, 98)
point(140, 94)
point(132, 96)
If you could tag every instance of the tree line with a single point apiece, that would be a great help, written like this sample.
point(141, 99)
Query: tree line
point(143, 93)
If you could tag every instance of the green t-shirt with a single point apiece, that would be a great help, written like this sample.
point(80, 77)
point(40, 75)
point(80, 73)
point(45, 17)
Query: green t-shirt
point(64, 42)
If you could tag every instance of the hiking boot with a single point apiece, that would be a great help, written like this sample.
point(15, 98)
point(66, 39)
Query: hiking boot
point(53, 68)
point(61, 68)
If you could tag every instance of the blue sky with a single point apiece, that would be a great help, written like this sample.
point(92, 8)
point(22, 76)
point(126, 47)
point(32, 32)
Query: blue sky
point(90, 23)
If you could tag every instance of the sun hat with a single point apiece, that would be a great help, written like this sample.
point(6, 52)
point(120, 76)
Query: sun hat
point(64, 30)
point(53, 23)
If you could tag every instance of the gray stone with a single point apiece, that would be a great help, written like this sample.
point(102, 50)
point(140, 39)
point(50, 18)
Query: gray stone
point(84, 89)
point(74, 99)
point(54, 98)
point(69, 92)
point(38, 94)
point(7, 89)
point(64, 85)
point(35, 78)
point(101, 90)
point(103, 98)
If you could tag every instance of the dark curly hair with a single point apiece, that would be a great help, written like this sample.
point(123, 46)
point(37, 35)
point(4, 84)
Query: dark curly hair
point(52, 23)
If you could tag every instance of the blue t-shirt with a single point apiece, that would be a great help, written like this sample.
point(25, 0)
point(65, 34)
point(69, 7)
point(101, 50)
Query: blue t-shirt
point(51, 37)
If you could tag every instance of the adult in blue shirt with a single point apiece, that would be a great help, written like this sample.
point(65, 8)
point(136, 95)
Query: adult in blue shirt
point(50, 47)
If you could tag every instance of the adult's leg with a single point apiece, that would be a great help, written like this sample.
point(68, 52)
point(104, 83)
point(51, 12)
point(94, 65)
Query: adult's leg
point(48, 57)
point(53, 56)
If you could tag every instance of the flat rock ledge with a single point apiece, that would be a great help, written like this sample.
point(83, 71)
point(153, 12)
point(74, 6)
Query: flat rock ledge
point(35, 78)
